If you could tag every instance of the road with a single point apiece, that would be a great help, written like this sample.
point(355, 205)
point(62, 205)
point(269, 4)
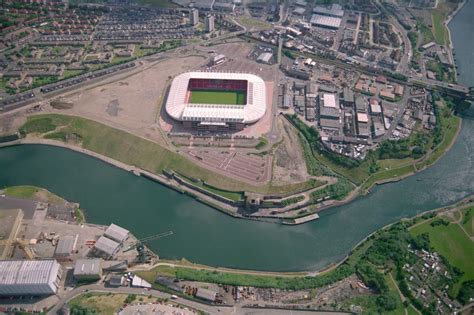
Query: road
point(407, 52)
point(69, 295)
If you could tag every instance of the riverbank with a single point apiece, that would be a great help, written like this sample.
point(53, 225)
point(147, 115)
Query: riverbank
point(43, 129)
point(417, 165)
point(167, 267)
point(369, 260)
point(450, 42)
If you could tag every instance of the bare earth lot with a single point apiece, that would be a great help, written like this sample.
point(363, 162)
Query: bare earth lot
point(289, 164)
point(132, 103)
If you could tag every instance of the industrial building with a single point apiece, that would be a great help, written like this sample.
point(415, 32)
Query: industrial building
point(265, 57)
point(65, 247)
point(326, 21)
point(138, 282)
point(334, 10)
point(328, 17)
point(116, 233)
point(116, 280)
point(216, 117)
point(106, 246)
point(88, 269)
point(29, 277)
point(348, 97)
point(217, 60)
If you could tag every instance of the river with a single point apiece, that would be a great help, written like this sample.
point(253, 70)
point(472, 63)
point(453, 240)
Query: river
point(204, 235)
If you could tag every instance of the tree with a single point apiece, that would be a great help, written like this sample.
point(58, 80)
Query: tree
point(466, 292)
point(386, 302)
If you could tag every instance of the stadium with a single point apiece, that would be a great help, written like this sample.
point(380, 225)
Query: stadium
point(216, 101)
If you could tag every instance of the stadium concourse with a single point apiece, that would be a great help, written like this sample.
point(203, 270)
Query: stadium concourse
point(216, 101)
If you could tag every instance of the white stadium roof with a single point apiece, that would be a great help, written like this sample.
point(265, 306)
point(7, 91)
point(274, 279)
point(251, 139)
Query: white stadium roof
point(255, 108)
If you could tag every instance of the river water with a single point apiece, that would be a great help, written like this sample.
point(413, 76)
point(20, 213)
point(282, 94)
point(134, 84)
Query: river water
point(204, 235)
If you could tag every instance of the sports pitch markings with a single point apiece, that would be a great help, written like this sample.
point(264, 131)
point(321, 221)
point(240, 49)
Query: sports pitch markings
point(218, 97)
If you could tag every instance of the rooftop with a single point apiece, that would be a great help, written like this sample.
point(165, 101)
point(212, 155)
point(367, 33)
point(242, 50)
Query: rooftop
point(116, 233)
point(334, 10)
point(326, 21)
point(107, 246)
point(65, 246)
point(329, 100)
point(28, 276)
point(177, 107)
point(87, 267)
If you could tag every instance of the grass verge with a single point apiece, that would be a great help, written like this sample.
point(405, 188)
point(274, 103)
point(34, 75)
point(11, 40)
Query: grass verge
point(32, 192)
point(122, 146)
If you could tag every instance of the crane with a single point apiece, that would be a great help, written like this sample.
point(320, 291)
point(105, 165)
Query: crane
point(22, 244)
point(139, 245)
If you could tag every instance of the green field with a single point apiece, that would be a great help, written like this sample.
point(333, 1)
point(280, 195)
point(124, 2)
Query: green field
point(32, 192)
point(122, 146)
point(451, 242)
point(467, 222)
point(218, 97)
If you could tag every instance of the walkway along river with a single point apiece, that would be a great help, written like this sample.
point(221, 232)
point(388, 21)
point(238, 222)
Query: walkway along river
point(204, 235)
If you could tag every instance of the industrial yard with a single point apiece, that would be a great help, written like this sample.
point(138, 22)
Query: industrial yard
point(51, 236)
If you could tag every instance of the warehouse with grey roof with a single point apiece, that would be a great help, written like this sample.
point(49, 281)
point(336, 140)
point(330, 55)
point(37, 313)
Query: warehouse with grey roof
point(29, 277)
point(116, 233)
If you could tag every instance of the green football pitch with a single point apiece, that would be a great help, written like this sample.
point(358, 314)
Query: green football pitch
point(218, 97)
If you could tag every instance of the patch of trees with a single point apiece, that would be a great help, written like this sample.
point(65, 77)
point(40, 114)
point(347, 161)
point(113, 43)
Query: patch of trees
point(466, 292)
point(81, 310)
point(386, 302)
point(390, 246)
point(371, 277)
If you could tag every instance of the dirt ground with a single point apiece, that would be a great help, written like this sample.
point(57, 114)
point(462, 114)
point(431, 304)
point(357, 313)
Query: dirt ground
point(10, 122)
point(289, 164)
point(132, 103)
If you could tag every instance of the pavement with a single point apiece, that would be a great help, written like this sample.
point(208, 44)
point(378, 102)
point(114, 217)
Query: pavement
point(28, 206)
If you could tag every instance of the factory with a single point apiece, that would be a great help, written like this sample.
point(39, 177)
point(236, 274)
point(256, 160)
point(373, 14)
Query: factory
point(327, 17)
point(109, 244)
point(88, 269)
point(29, 277)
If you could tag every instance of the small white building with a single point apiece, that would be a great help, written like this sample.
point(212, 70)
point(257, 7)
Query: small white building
point(265, 57)
point(138, 282)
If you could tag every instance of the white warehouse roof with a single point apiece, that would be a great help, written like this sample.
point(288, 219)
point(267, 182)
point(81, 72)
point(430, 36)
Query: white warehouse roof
point(329, 100)
point(255, 108)
point(325, 21)
point(116, 233)
point(29, 277)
